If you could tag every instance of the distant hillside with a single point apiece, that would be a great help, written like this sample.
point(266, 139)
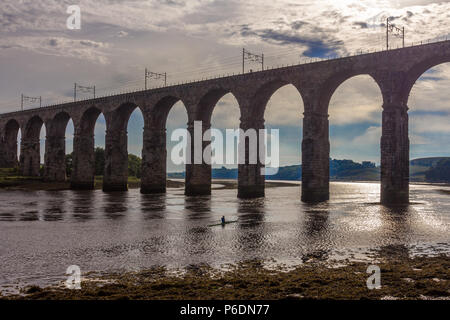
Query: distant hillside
point(176, 175)
point(440, 172)
point(435, 169)
point(348, 170)
point(287, 173)
point(339, 170)
point(427, 162)
point(429, 169)
point(224, 173)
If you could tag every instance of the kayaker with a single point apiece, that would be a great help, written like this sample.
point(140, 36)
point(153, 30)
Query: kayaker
point(223, 219)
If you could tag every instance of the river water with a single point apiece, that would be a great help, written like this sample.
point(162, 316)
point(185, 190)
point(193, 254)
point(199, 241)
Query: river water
point(42, 233)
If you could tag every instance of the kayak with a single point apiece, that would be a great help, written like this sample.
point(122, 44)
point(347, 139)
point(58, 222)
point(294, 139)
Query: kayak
point(221, 224)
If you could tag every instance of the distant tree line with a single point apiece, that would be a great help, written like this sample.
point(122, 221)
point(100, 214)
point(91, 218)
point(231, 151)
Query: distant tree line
point(338, 169)
point(134, 163)
point(440, 172)
point(337, 166)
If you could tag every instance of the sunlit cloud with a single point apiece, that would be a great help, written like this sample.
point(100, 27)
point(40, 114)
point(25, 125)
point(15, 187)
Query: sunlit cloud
point(370, 137)
point(431, 123)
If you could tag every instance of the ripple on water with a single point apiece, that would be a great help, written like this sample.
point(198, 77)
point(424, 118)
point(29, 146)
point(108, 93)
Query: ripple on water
point(42, 233)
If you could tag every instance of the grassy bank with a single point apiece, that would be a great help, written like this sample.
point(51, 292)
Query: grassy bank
point(417, 278)
point(11, 180)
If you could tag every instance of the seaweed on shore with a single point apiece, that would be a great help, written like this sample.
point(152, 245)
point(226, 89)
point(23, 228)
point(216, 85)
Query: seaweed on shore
point(405, 278)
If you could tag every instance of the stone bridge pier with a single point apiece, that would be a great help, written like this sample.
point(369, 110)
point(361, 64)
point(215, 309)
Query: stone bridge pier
point(198, 169)
point(55, 154)
point(115, 177)
point(55, 149)
point(394, 139)
point(8, 145)
point(29, 162)
point(154, 160)
point(251, 178)
point(315, 157)
point(83, 162)
point(154, 152)
point(395, 155)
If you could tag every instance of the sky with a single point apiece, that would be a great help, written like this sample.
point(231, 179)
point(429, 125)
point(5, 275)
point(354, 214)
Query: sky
point(118, 39)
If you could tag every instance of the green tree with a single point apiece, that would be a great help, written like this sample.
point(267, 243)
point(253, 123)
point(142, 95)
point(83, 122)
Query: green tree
point(134, 166)
point(69, 160)
point(134, 163)
point(99, 161)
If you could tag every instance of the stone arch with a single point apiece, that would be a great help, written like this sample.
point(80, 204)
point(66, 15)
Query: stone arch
point(121, 115)
point(316, 132)
point(251, 175)
point(83, 161)
point(418, 69)
point(280, 87)
point(428, 118)
point(217, 108)
point(284, 112)
point(355, 110)
point(159, 112)
point(264, 93)
point(116, 148)
point(154, 150)
point(329, 87)
point(33, 128)
point(30, 156)
point(395, 144)
point(11, 132)
point(57, 126)
point(88, 120)
point(208, 102)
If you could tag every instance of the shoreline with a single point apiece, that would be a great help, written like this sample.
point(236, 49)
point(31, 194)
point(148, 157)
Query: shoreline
point(401, 278)
point(37, 184)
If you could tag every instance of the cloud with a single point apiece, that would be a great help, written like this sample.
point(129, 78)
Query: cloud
point(372, 136)
point(415, 139)
point(314, 47)
point(430, 123)
point(356, 100)
point(409, 3)
point(226, 114)
point(122, 34)
point(212, 12)
point(430, 93)
point(59, 46)
point(177, 117)
point(296, 25)
point(362, 25)
point(285, 108)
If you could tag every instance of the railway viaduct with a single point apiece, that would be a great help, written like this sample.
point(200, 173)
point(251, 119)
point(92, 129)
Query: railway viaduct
point(395, 72)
